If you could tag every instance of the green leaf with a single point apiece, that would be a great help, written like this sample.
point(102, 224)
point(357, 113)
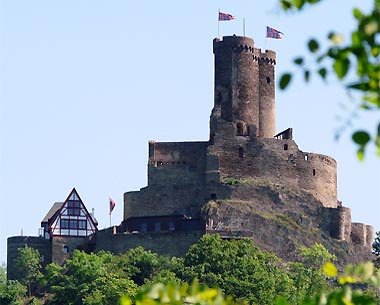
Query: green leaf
point(313, 45)
point(357, 13)
point(298, 61)
point(307, 75)
point(361, 137)
point(322, 72)
point(285, 80)
point(341, 66)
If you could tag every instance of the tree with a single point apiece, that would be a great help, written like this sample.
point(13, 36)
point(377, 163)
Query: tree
point(376, 244)
point(90, 279)
point(355, 64)
point(27, 264)
point(238, 267)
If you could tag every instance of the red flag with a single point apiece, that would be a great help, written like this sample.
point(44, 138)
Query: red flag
point(225, 17)
point(112, 205)
point(272, 33)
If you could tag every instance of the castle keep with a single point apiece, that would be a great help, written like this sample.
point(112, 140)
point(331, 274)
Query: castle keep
point(247, 180)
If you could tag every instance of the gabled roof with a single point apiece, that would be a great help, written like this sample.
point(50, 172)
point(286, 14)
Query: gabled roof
point(70, 218)
point(53, 210)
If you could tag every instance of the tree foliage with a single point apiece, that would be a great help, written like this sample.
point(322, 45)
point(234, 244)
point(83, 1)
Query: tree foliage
point(376, 244)
point(28, 267)
point(355, 63)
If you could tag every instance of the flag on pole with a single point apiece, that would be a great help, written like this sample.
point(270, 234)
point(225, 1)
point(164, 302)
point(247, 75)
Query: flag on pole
point(225, 17)
point(272, 33)
point(112, 205)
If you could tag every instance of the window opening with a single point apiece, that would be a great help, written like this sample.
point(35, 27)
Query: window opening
point(171, 226)
point(286, 146)
point(65, 249)
point(157, 227)
point(241, 152)
point(313, 172)
point(144, 227)
point(213, 196)
point(306, 158)
point(268, 80)
point(240, 129)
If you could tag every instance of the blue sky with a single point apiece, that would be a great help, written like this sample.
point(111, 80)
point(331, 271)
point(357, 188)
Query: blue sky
point(84, 85)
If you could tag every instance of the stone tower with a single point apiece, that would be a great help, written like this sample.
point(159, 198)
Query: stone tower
point(244, 87)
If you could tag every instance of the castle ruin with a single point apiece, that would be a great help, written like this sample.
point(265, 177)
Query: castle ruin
point(247, 180)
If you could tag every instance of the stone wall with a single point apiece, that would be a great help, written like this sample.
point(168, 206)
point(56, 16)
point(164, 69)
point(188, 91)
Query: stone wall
point(337, 222)
point(176, 163)
point(15, 242)
point(362, 234)
point(277, 161)
point(164, 200)
point(63, 247)
point(244, 86)
point(163, 243)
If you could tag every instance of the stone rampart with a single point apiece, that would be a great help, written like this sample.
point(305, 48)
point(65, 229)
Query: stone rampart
point(163, 243)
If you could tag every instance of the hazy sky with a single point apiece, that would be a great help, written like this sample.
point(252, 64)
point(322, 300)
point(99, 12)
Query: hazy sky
point(85, 84)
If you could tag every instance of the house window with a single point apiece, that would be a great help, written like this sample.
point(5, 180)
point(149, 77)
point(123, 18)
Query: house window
point(82, 224)
point(65, 249)
point(157, 227)
point(64, 223)
point(144, 227)
point(73, 224)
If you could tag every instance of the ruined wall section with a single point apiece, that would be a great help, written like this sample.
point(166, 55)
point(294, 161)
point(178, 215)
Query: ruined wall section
point(362, 234)
point(275, 161)
point(337, 222)
point(176, 163)
point(176, 180)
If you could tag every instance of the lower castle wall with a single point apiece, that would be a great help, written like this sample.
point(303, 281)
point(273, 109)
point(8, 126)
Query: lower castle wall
point(163, 243)
point(337, 222)
point(72, 243)
point(15, 242)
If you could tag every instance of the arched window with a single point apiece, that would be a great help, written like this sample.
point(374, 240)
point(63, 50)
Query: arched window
point(240, 129)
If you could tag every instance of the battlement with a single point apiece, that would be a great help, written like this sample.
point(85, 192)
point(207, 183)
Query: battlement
point(234, 43)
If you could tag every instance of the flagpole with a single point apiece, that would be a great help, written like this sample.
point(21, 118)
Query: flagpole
point(265, 41)
point(218, 21)
point(244, 27)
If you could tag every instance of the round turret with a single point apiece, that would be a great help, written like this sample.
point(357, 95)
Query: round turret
point(244, 87)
